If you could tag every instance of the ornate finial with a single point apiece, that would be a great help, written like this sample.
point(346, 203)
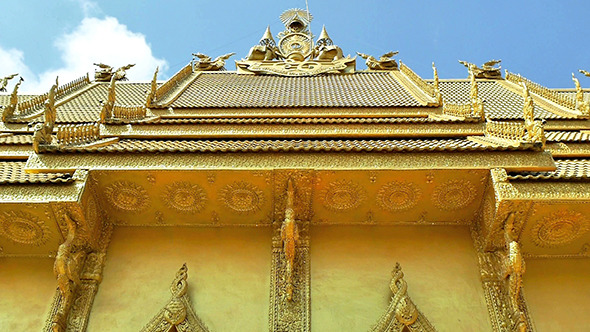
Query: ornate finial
point(151, 97)
point(50, 109)
point(436, 83)
point(476, 102)
point(324, 38)
point(584, 72)
point(267, 39)
point(529, 107)
point(10, 109)
point(296, 19)
point(107, 108)
point(385, 61)
point(534, 129)
point(178, 286)
point(4, 81)
point(581, 105)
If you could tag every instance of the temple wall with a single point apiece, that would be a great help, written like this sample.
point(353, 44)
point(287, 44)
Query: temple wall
point(228, 277)
point(351, 272)
point(27, 287)
point(558, 294)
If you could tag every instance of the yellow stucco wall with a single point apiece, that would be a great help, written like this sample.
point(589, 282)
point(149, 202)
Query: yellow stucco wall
point(558, 294)
point(27, 287)
point(228, 277)
point(351, 272)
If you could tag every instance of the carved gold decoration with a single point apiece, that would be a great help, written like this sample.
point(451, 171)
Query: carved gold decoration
point(427, 88)
point(436, 86)
point(166, 90)
point(453, 194)
point(24, 228)
point(290, 275)
point(68, 262)
point(560, 228)
point(385, 61)
point(43, 132)
point(290, 238)
point(178, 314)
point(242, 197)
point(11, 108)
point(343, 195)
point(398, 196)
point(295, 54)
point(487, 70)
point(127, 196)
point(184, 197)
point(4, 81)
point(205, 63)
point(402, 313)
point(552, 95)
point(105, 72)
point(534, 129)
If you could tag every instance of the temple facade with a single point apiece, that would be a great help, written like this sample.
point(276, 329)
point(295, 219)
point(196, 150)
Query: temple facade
point(296, 193)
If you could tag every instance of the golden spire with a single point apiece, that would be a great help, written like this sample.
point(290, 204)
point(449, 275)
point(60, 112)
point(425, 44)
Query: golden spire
point(437, 94)
point(324, 33)
point(267, 39)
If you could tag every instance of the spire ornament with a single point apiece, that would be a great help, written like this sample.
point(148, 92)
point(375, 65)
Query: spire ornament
point(385, 61)
point(582, 106)
point(4, 81)
point(487, 70)
point(436, 84)
point(295, 53)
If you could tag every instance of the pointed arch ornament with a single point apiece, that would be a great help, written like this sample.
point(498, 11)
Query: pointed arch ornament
point(178, 314)
point(402, 314)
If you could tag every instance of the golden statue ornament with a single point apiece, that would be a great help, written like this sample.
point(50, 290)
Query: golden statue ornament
point(106, 72)
point(582, 105)
point(206, 64)
point(385, 61)
point(487, 70)
point(10, 109)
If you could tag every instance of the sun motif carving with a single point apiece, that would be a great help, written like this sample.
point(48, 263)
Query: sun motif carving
point(242, 197)
point(127, 196)
point(343, 195)
point(453, 194)
point(398, 195)
point(24, 228)
point(560, 228)
point(184, 197)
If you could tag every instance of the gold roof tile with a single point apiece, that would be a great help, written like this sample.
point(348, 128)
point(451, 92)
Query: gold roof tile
point(500, 103)
point(567, 169)
point(295, 145)
point(567, 136)
point(17, 139)
point(228, 89)
point(14, 172)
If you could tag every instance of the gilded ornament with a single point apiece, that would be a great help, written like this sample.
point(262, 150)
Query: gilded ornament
point(24, 228)
point(560, 228)
point(184, 197)
point(343, 195)
point(127, 196)
point(453, 194)
point(398, 195)
point(4, 81)
point(242, 197)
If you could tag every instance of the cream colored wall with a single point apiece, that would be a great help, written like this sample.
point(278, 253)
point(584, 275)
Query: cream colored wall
point(351, 272)
point(557, 292)
point(228, 277)
point(27, 286)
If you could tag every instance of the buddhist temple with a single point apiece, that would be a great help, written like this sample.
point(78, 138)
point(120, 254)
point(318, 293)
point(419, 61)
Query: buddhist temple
point(291, 191)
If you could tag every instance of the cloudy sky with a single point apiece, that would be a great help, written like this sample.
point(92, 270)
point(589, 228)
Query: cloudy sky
point(543, 40)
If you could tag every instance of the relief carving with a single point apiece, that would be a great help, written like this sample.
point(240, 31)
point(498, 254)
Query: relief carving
point(453, 194)
point(560, 228)
point(242, 197)
point(343, 195)
point(24, 228)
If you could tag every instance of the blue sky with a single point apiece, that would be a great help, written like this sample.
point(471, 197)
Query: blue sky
point(543, 40)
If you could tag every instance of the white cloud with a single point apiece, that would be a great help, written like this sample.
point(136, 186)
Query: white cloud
point(94, 40)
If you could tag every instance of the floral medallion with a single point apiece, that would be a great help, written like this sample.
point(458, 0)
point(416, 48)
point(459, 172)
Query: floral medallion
point(242, 197)
point(343, 195)
point(127, 196)
point(453, 194)
point(560, 228)
point(24, 228)
point(398, 196)
point(184, 197)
